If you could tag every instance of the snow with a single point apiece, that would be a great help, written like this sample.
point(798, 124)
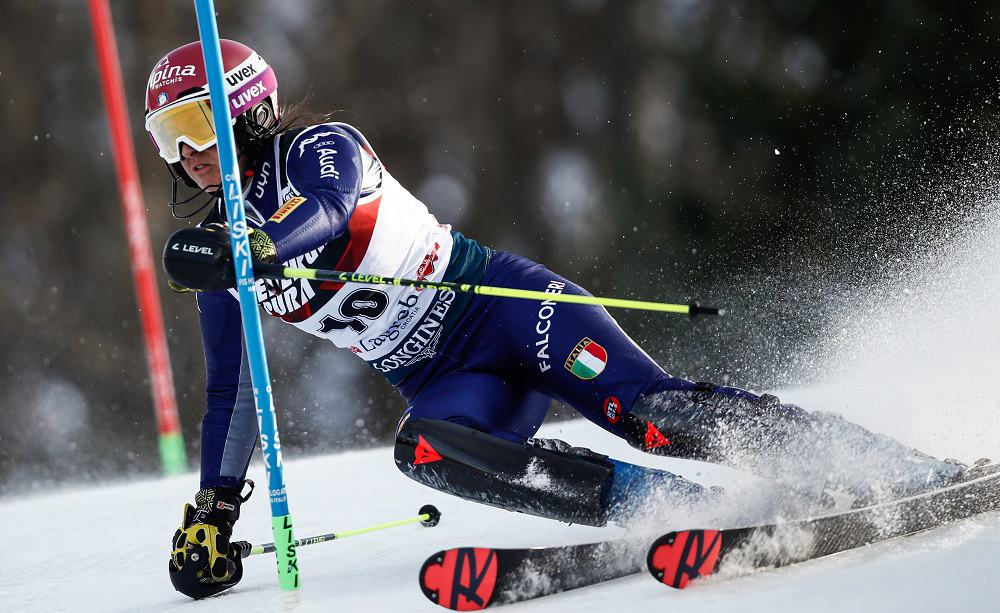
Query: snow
point(106, 549)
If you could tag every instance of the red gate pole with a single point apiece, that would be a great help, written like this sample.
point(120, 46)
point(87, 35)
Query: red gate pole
point(172, 454)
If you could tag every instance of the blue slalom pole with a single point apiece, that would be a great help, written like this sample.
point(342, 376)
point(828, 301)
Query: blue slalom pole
point(270, 443)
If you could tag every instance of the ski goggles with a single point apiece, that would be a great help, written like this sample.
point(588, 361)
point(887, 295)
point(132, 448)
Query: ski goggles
point(188, 121)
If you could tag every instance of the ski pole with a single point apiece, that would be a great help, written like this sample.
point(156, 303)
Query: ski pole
point(429, 516)
point(277, 271)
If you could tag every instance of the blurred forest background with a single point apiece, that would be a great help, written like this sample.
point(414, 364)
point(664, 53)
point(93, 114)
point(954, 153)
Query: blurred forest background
point(779, 159)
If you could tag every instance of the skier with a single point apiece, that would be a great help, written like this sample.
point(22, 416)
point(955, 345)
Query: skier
point(478, 373)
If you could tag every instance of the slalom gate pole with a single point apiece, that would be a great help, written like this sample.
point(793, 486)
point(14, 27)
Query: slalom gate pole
point(270, 442)
point(429, 517)
point(277, 271)
point(173, 458)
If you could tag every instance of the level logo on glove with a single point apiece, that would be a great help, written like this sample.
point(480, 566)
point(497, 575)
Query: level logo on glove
point(200, 259)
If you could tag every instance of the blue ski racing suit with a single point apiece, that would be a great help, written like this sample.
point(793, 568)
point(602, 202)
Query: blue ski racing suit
point(479, 372)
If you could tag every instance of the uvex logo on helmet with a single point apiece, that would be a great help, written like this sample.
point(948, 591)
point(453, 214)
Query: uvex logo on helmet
point(245, 97)
point(244, 71)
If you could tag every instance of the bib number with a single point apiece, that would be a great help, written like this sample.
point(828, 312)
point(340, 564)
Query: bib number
point(359, 304)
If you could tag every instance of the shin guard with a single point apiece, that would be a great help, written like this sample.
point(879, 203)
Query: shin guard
point(477, 466)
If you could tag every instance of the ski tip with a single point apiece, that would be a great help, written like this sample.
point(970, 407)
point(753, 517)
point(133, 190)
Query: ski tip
point(461, 579)
point(676, 558)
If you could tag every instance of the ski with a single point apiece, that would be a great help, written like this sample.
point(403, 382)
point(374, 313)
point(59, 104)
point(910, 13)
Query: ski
point(676, 558)
point(474, 578)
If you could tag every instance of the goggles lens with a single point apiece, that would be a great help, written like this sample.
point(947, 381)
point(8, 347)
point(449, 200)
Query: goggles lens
point(185, 122)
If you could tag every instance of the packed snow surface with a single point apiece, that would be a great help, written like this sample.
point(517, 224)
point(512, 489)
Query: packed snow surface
point(106, 549)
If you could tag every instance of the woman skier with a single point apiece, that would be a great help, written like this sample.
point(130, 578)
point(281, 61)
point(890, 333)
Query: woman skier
point(478, 373)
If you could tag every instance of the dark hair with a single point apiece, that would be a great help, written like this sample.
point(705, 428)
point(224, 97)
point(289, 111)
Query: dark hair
point(295, 115)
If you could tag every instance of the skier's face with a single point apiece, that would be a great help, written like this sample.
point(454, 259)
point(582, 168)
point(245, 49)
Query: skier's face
point(201, 166)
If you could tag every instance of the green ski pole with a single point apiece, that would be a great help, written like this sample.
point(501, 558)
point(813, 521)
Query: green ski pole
point(277, 271)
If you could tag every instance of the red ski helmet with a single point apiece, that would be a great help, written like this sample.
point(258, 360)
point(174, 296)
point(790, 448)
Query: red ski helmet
point(178, 107)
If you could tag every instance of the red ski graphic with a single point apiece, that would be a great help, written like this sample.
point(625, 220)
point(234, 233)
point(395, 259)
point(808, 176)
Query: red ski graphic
point(678, 557)
point(462, 579)
point(473, 578)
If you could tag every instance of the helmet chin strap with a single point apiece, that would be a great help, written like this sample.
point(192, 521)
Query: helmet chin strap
point(212, 193)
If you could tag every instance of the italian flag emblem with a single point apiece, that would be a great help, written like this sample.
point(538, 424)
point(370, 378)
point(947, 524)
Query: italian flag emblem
point(587, 360)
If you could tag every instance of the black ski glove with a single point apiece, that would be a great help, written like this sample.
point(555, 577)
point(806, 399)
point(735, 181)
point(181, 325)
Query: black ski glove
point(202, 561)
point(200, 258)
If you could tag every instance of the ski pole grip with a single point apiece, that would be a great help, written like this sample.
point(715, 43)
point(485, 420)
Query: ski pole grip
point(268, 271)
point(244, 548)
